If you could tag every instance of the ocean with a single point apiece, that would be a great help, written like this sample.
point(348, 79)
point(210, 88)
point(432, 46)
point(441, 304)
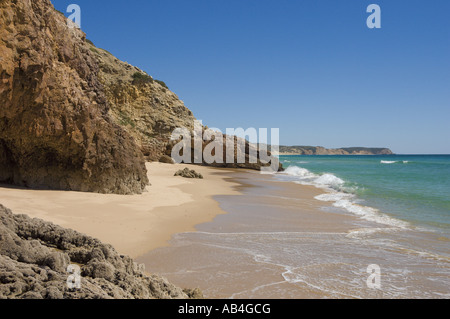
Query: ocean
point(414, 189)
point(323, 229)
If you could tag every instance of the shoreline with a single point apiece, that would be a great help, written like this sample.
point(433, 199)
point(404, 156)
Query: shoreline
point(241, 234)
point(205, 259)
point(133, 224)
point(277, 241)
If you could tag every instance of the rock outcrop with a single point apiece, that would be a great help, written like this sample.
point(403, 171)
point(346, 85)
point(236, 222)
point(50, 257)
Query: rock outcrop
point(319, 150)
point(147, 109)
point(55, 127)
point(166, 159)
point(245, 155)
point(35, 255)
point(188, 173)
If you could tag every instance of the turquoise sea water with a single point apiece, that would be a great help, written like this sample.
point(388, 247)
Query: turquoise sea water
point(410, 188)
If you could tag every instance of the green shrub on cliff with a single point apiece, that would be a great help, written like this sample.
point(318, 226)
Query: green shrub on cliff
point(125, 120)
point(162, 84)
point(141, 78)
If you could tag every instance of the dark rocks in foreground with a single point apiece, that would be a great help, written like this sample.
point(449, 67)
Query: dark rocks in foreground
point(34, 256)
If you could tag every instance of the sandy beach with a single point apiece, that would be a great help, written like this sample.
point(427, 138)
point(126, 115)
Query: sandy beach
point(135, 224)
point(277, 241)
point(241, 234)
point(218, 257)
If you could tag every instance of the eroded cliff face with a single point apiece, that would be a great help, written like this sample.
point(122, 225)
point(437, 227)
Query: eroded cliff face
point(55, 127)
point(146, 109)
point(149, 111)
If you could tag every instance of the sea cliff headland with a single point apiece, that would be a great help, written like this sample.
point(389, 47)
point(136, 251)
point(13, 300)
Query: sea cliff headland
point(319, 150)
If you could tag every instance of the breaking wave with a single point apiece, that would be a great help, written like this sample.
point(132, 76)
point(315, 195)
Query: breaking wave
point(394, 162)
point(342, 195)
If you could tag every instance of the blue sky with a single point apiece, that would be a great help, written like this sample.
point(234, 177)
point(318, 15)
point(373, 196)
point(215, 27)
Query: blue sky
point(309, 67)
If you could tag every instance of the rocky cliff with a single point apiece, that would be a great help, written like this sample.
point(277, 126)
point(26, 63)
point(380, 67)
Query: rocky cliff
point(149, 111)
point(55, 127)
point(72, 116)
point(35, 255)
point(141, 105)
point(318, 150)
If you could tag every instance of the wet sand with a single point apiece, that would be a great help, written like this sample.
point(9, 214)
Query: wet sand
point(268, 209)
point(277, 241)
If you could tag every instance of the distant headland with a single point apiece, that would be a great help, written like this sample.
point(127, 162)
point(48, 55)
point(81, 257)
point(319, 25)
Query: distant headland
point(319, 150)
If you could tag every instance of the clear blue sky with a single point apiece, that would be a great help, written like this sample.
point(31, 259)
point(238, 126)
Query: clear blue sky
point(309, 67)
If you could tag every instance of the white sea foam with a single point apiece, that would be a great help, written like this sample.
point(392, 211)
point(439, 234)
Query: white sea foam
point(341, 196)
point(334, 197)
point(347, 202)
point(308, 178)
point(330, 180)
point(394, 162)
point(363, 232)
point(298, 171)
point(303, 176)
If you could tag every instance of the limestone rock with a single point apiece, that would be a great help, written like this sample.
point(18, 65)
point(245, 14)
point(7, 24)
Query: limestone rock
point(55, 129)
point(34, 256)
point(187, 173)
point(251, 154)
point(146, 109)
point(166, 159)
point(195, 293)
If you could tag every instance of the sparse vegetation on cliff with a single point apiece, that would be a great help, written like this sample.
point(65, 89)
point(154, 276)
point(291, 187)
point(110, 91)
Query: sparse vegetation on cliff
point(141, 78)
point(162, 84)
point(125, 120)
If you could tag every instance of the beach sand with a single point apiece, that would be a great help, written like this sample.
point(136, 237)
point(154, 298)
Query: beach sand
point(274, 241)
point(277, 241)
point(133, 224)
point(226, 257)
